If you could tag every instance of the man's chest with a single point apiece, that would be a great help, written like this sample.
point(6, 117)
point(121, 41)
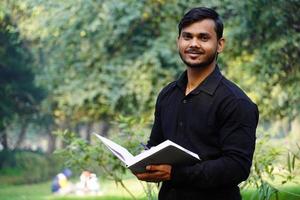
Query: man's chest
point(190, 119)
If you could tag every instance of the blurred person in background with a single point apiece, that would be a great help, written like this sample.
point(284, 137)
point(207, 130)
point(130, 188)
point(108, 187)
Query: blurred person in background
point(88, 184)
point(60, 183)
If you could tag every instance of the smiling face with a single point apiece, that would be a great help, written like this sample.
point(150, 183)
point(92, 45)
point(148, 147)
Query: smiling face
point(198, 44)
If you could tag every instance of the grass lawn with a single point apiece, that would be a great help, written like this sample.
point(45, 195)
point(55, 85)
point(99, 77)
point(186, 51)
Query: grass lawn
point(41, 191)
point(109, 192)
point(291, 192)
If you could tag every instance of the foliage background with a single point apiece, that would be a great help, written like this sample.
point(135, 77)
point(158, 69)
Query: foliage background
point(86, 65)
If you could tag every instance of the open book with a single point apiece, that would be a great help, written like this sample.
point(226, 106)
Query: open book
point(166, 152)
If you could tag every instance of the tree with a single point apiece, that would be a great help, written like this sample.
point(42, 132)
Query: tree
point(264, 51)
point(19, 95)
point(107, 60)
point(99, 67)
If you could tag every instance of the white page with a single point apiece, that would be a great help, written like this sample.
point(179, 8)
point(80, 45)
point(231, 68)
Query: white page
point(122, 153)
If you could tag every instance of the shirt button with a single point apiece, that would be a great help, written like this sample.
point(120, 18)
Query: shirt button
point(184, 101)
point(180, 123)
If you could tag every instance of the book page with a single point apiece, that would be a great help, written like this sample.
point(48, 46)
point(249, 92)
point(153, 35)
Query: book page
point(119, 151)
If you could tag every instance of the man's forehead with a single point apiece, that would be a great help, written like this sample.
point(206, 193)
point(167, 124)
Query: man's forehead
point(201, 26)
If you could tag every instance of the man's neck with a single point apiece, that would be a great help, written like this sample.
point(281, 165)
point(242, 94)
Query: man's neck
point(197, 75)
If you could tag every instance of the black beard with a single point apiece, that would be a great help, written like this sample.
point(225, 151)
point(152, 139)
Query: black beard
point(202, 64)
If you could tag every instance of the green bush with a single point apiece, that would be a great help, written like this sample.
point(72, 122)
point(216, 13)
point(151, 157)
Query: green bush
point(18, 167)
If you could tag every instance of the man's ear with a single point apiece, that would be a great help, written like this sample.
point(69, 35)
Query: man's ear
point(177, 42)
point(221, 45)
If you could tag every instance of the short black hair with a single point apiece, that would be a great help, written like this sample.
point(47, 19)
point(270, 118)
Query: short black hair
point(201, 13)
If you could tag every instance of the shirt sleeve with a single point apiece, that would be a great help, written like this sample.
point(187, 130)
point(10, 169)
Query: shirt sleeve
point(237, 139)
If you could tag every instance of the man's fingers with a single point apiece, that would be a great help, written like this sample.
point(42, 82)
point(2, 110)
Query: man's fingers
point(155, 173)
point(150, 174)
point(158, 168)
point(155, 176)
point(154, 168)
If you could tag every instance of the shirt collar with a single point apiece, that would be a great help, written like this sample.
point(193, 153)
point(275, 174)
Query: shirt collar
point(209, 85)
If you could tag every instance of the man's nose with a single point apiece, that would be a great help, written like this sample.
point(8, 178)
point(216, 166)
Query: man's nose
point(195, 43)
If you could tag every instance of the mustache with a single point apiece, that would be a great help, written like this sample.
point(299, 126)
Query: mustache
point(194, 50)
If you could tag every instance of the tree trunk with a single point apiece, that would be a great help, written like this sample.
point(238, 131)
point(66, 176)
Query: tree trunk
point(22, 134)
point(51, 142)
point(77, 130)
point(66, 126)
point(3, 139)
point(105, 128)
point(88, 131)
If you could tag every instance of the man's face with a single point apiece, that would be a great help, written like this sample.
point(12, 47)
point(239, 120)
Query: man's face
point(198, 44)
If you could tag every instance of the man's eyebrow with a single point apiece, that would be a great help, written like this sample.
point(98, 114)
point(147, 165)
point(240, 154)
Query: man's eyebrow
point(201, 34)
point(186, 33)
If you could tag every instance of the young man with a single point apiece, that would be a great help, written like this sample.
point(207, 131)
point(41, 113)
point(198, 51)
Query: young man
point(205, 113)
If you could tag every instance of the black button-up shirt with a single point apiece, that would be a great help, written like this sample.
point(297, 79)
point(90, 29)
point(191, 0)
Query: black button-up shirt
point(218, 122)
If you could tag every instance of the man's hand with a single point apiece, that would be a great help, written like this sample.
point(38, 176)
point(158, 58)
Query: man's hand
point(156, 173)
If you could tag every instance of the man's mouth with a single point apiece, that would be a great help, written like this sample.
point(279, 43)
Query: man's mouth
point(192, 51)
point(193, 54)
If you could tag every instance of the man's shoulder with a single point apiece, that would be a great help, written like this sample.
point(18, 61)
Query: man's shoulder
point(228, 88)
point(166, 90)
point(233, 98)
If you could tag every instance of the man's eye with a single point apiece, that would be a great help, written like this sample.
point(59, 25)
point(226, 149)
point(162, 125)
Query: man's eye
point(204, 38)
point(186, 37)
